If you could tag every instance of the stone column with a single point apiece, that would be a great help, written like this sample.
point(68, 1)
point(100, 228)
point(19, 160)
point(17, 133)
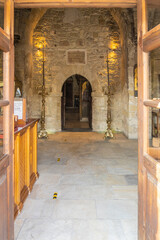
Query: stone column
point(53, 113)
point(99, 112)
point(132, 114)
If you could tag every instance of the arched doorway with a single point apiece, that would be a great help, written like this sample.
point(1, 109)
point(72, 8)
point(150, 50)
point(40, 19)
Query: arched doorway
point(76, 104)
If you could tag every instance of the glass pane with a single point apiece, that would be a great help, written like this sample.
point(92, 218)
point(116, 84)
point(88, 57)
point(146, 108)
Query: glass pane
point(155, 74)
point(153, 17)
point(154, 133)
point(1, 14)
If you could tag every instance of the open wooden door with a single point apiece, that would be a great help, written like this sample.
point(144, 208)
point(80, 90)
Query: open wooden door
point(6, 161)
point(149, 156)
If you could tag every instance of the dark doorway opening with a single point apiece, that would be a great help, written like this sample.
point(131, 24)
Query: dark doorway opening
point(76, 104)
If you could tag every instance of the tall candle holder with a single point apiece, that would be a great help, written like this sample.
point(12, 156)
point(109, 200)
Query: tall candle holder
point(43, 133)
point(108, 132)
point(107, 91)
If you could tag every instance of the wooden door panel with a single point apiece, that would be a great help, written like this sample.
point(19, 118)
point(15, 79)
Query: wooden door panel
point(152, 198)
point(4, 163)
point(3, 204)
point(152, 208)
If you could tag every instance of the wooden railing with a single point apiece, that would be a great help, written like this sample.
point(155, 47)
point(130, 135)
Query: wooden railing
point(25, 163)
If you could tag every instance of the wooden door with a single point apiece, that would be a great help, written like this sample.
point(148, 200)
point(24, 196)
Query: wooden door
point(63, 106)
point(6, 161)
point(149, 156)
point(90, 112)
point(69, 93)
point(86, 101)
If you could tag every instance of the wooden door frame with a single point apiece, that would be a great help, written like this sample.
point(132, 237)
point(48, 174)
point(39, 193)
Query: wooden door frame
point(6, 44)
point(143, 118)
point(143, 66)
point(6, 162)
point(147, 41)
point(9, 110)
point(81, 3)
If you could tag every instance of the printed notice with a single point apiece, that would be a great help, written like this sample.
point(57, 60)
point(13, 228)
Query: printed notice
point(18, 109)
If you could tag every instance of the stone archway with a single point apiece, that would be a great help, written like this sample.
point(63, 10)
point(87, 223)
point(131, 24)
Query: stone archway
point(58, 69)
point(76, 104)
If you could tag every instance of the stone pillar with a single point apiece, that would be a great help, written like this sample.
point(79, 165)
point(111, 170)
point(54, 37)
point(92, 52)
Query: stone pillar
point(53, 113)
point(132, 115)
point(99, 112)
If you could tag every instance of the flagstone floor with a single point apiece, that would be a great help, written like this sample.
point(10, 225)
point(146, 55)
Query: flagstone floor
point(96, 182)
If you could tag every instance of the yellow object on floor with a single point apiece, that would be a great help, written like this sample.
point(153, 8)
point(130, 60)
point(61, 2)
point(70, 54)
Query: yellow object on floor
point(55, 195)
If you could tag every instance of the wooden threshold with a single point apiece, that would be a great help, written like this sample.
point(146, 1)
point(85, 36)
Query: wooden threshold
point(151, 40)
point(152, 103)
point(4, 41)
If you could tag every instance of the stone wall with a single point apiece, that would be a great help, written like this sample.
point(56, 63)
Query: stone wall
point(90, 31)
point(67, 31)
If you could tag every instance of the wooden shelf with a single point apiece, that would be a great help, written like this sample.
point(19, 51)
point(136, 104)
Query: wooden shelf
point(152, 103)
point(151, 40)
point(4, 103)
point(151, 163)
point(4, 41)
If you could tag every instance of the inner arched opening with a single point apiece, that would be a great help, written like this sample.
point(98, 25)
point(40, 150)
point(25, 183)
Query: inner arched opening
point(76, 104)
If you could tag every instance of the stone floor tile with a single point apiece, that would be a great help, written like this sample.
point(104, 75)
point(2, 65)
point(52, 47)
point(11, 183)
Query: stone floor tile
point(42, 191)
point(132, 179)
point(45, 229)
point(130, 228)
point(49, 178)
point(75, 209)
point(125, 192)
point(92, 192)
point(18, 223)
point(111, 180)
point(53, 170)
point(116, 209)
point(34, 208)
point(121, 170)
point(96, 230)
point(79, 179)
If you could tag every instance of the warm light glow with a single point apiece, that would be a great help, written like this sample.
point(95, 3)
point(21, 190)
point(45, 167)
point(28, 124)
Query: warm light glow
point(39, 53)
point(40, 46)
point(112, 56)
point(40, 43)
point(113, 45)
